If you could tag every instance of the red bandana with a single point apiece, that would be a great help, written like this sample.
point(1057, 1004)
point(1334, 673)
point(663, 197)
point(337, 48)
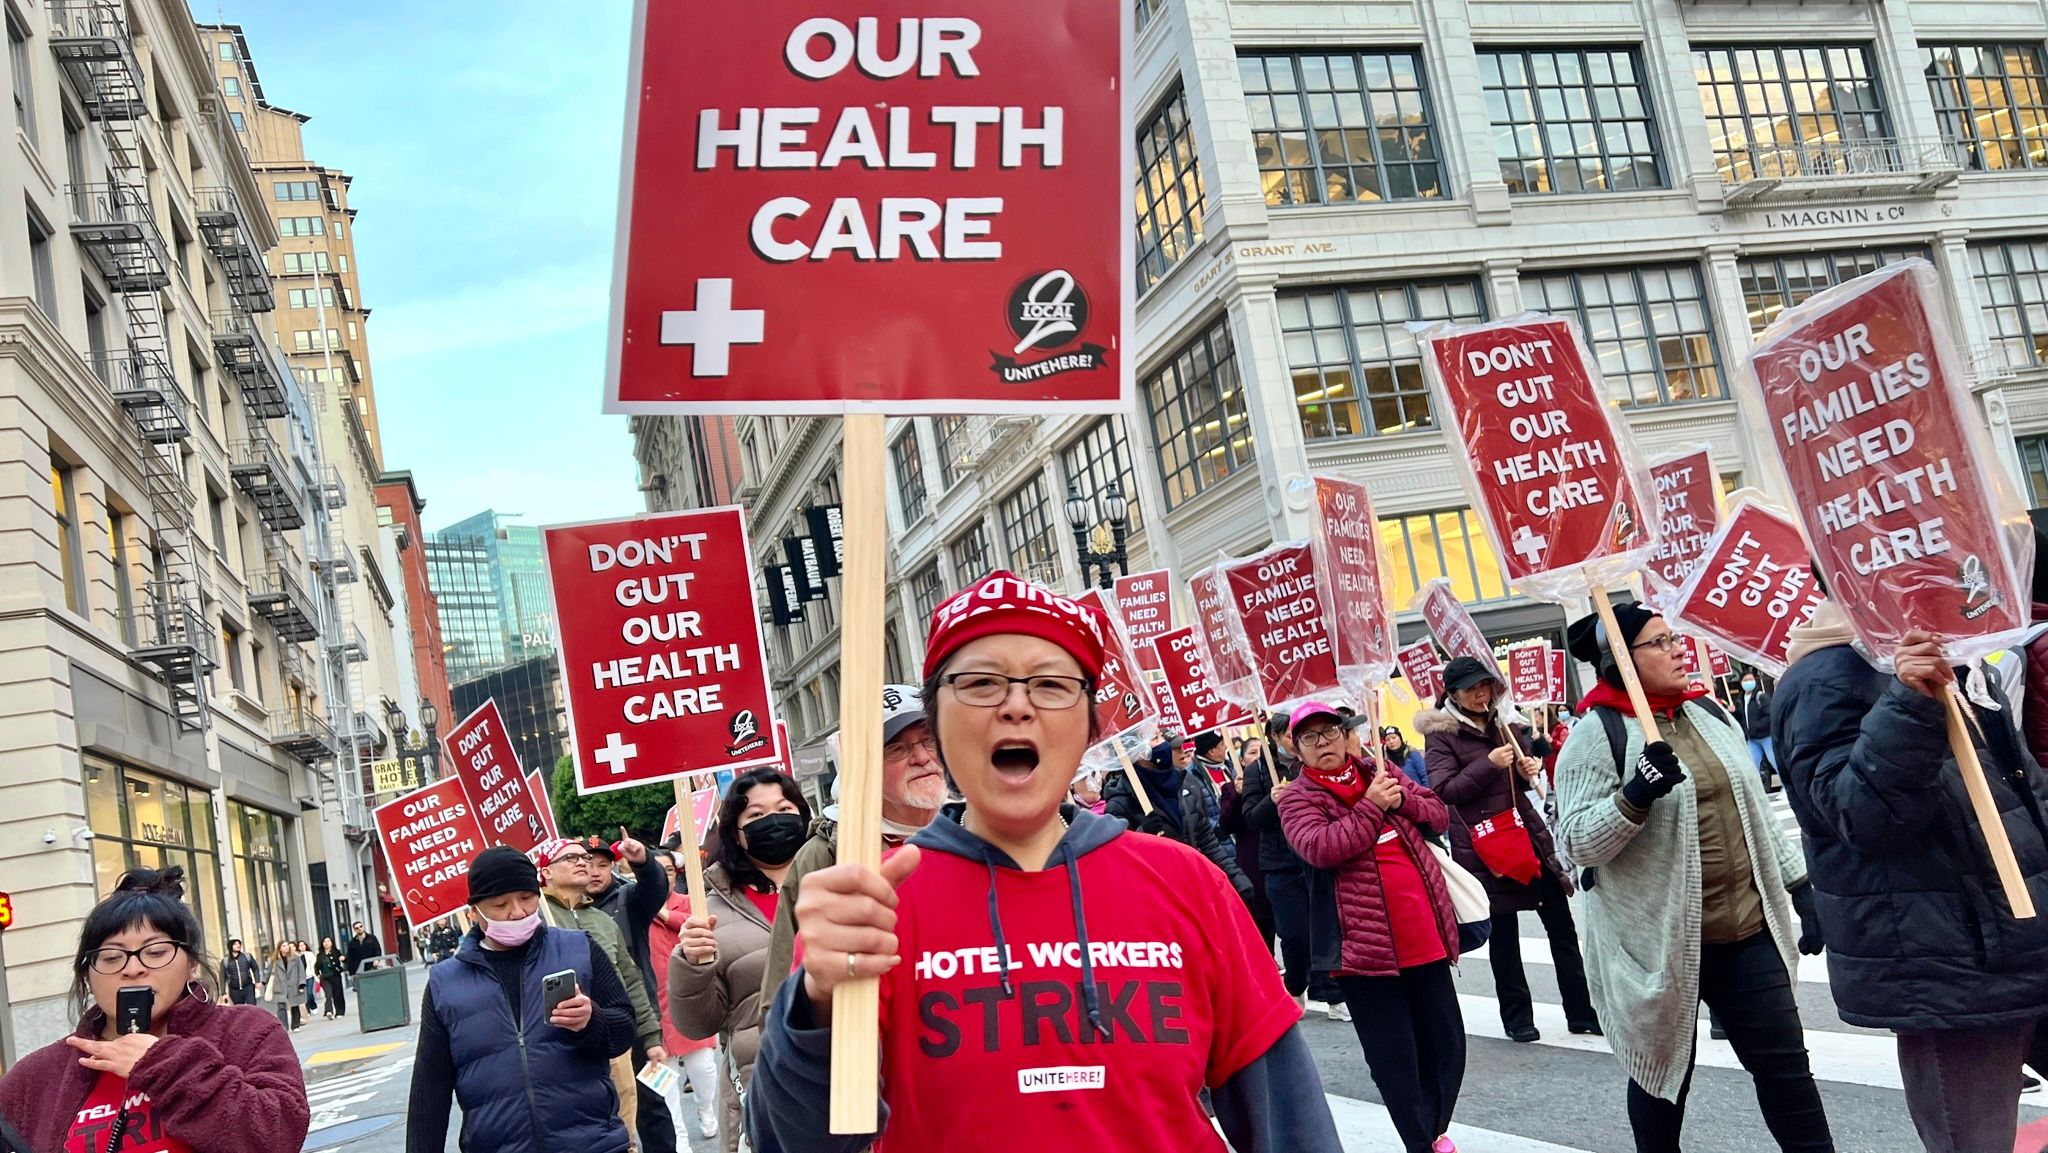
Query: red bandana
point(1604, 695)
point(1348, 782)
point(1002, 603)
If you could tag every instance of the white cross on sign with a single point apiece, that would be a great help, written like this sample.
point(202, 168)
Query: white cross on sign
point(615, 753)
point(1530, 546)
point(713, 327)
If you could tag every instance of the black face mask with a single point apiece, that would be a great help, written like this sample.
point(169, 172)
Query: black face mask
point(774, 839)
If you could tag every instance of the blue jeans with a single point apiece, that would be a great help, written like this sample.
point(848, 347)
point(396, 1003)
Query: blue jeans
point(1760, 751)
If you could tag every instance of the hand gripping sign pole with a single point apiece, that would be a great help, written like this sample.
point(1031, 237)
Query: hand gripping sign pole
point(1913, 525)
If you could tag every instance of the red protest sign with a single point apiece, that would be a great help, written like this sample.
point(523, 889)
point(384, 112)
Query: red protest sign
point(1121, 702)
point(1347, 551)
point(488, 767)
point(1451, 625)
point(1688, 512)
point(1529, 673)
point(543, 802)
point(1883, 446)
point(792, 177)
point(1145, 601)
point(703, 802)
point(1279, 605)
point(1163, 703)
point(1752, 587)
point(1556, 695)
point(1229, 663)
point(1423, 668)
point(1689, 655)
point(429, 837)
point(1550, 469)
point(1197, 701)
point(661, 647)
point(1718, 662)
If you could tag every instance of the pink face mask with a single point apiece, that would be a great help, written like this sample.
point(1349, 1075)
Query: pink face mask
point(512, 934)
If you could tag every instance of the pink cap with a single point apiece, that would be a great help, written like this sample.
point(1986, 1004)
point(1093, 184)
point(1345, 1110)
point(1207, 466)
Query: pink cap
point(1307, 709)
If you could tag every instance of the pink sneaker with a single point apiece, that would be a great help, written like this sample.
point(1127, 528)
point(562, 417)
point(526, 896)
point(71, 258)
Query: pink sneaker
point(1443, 1145)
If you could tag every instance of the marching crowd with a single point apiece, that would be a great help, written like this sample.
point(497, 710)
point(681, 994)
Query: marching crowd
point(1060, 952)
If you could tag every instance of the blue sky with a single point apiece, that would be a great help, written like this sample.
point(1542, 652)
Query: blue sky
point(485, 152)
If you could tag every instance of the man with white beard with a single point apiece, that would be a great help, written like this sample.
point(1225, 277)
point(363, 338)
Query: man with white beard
point(913, 788)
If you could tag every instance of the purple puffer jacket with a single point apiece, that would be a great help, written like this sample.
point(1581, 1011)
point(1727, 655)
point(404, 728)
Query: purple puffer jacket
point(1327, 835)
point(223, 1078)
point(1475, 788)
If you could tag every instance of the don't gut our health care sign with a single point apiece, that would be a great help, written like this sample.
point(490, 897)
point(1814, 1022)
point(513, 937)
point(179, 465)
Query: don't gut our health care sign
point(660, 647)
point(797, 173)
point(488, 767)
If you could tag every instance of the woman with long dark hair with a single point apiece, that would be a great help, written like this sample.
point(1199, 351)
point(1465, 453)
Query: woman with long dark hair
point(715, 973)
point(328, 966)
point(190, 1074)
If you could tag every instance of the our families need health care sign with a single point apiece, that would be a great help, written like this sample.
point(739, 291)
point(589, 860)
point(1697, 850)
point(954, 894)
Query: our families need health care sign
point(796, 173)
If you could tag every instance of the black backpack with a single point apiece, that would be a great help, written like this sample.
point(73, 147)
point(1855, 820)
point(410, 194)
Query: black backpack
point(1617, 743)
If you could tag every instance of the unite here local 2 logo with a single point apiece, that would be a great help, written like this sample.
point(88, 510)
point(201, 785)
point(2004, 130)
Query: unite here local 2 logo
point(1047, 310)
point(746, 734)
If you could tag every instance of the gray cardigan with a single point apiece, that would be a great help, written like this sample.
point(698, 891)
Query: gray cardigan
point(1641, 921)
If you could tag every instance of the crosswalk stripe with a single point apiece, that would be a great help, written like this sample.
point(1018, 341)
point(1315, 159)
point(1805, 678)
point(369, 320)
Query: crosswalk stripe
point(1364, 1127)
point(1536, 951)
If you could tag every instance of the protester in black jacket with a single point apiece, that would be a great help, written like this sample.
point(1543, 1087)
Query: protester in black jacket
point(1919, 937)
point(1753, 710)
point(1180, 811)
point(242, 973)
point(362, 948)
point(632, 903)
point(1285, 875)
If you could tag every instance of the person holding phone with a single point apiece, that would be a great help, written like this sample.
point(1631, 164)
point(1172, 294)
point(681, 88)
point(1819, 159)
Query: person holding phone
point(185, 1073)
point(520, 1027)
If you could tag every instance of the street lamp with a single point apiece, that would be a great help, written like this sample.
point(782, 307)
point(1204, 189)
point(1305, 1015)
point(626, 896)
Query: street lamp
point(428, 750)
point(1082, 519)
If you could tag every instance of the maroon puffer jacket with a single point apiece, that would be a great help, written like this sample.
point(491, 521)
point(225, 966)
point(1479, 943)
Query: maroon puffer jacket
point(1328, 835)
point(2034, 705)
point(1475, 788)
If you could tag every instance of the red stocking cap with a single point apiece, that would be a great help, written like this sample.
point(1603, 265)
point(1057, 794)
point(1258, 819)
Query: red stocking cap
point(1003, 602)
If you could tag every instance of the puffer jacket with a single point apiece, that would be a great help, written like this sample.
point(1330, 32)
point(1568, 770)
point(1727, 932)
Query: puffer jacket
point(1919, 935)
point(1475, 789)
point(1262, 815)
point(1346, 903)
point(1196, 831)
point(2034, 700)
point(723, 999)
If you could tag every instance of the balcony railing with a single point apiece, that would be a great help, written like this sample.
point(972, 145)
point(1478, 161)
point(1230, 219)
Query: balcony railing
point(118, 230)
point(279, 597)
point(143, 386)
point(246, 353)
point(260, 470)
point(333, 490)
point(226, 231)
point(1878, 166)
point(348, 646)
point(304, 735)
point(91, 41)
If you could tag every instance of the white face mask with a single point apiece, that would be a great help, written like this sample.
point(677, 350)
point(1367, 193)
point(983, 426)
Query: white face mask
point(1749, 686)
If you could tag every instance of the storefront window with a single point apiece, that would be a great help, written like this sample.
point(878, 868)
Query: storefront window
point(262, 874)
point(141, 820)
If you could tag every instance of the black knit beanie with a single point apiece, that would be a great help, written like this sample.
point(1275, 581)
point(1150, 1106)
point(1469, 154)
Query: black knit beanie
point(499, 870)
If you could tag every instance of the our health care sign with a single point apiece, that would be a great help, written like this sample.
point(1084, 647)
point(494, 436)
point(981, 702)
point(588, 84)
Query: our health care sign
point(796, 174)
point(1752, 587)
point(1145, 600)
point(488, 767)
point(429, 836)
point(661, 649)
point(1688, 512)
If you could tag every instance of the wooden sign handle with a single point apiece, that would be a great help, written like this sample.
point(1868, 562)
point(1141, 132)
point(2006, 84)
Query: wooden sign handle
point(1981, 802)
point(1123, 758)
point(1627, 663)
point(857, 1004)
point(693, 864)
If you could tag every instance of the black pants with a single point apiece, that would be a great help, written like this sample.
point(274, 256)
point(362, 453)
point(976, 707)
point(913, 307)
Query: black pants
point(337, 996)
point(656, 1128)
point(1504, 952)
point(1745, 983)
point(1287, 892)
point(1414, 1040)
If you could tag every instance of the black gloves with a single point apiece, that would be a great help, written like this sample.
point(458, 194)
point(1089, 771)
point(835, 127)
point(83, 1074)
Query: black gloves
point(1156, 824)
point(1809, 921)
point(1657, 773)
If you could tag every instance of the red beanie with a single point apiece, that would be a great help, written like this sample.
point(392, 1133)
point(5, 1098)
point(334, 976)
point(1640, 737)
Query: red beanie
point(1003, 602)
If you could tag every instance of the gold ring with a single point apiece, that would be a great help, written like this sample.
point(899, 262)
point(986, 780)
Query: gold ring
point(853, 966)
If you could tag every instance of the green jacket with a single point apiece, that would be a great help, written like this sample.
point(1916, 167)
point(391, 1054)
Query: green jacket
point(821, 850)
point(604, 932)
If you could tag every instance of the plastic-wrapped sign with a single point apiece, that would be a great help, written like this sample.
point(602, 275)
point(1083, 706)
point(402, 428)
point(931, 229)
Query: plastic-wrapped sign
point(1752, 586)
point(1278, 603)
point(1122, 701)
point(1549, 465)
point(1347, 552)
point(1229, 663)
point(1451, 625)
point(1688, 512)
point(1718, 662)
point(1197, 703)
point(1911, 520)
point(1145, 601)
point(1423, 668)
point(1557, 686)
point(1529, 672)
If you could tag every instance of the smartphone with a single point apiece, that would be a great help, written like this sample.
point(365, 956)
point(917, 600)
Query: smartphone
point(132, 1008)
point(556, 988)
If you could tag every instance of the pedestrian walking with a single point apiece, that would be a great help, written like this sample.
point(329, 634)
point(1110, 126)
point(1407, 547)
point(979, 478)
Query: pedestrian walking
point(1483, 769)
point(1285, 875)
point(192, 1075)
point(1920, 939)
point(287, 979)
point(312, 980)
point(1180, 808)
point(718, 971)
point(1016, 899)
point(1695, 891)
point(362, 949)
point(327, 969)
point(532, 1073)
point(243, 973)
point(696, 1059)
point(1382, 920)
point(1753, 710)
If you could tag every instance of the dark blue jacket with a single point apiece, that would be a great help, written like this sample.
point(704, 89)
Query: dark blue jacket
point(530, 1087)
point(1919, 935)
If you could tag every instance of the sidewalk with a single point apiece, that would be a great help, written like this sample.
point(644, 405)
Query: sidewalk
point(321, 1042)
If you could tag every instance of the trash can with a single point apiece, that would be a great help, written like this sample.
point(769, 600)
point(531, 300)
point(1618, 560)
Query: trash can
point(383, 1000)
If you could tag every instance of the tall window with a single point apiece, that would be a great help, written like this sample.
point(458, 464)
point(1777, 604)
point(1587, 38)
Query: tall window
point(1027, 527)
point(229, 86)
point(971, 556)
point(240, 123)
point(2034, 462)
point(1356, 367)
point(96, 334)
point(69, 548)
point(41, 265)
point(1331, 129)
point(231, 652)
point(1571, 120)
point(1145, 11)
point(1992, 102)
point(925, 591)
point(2012, 286)
point(1169, 190)
point(1772, 284)
point(260, 842)
point(1198, 415)
point(124, 577)
point(909, 474)
point(24, 84)
point(1100, 456)
point(1648, 326)
point(1777, 111)
point(215, 503)
point(951, 432)
point(301, 226)
point(1425, 546)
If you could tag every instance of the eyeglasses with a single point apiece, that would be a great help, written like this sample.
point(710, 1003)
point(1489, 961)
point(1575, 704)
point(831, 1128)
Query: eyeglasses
point(1319, 736)
point(987, 690)
point(896, 752)
point(1662, 644)
point(578, 859)
point(110, 960)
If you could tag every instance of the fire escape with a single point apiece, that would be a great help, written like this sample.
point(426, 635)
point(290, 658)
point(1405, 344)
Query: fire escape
point(116, 227)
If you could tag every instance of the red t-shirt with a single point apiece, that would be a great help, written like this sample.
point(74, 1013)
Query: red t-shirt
point(93, 1126)
point(1189, 993)
point(767, 903)
point(1409, 912)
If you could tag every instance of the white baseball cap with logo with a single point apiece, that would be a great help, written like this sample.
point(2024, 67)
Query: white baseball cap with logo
point(902, 707)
